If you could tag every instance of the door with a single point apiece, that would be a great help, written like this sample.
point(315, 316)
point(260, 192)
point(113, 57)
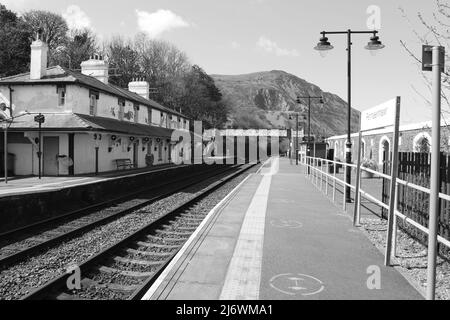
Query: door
point(135, 155)
point(50, 154)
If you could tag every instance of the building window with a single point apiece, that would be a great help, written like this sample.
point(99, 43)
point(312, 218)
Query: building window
point(161, 122)
point(136, 113)
point(93, 97)
point(121, 103)
point(61, 90)
point(149, 115)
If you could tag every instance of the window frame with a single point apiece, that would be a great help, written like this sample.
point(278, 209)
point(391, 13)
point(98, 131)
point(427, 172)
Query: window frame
point(61, 91)
point(93, 97)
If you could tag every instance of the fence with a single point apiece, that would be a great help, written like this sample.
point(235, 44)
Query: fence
point(415, 168)
point(314, 168)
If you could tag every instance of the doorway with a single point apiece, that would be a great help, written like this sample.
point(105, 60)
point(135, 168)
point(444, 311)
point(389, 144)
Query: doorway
point(50, 154)
point(135, 155)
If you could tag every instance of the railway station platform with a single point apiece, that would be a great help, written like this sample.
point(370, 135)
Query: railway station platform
point(276, 237)
point(30, 185)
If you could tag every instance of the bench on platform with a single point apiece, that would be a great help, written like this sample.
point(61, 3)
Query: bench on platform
point(124, 164)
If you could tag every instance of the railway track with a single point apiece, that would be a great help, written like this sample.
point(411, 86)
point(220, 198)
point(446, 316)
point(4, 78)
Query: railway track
point(59, 229)
point(126, 269)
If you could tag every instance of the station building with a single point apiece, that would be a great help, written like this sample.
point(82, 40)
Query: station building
point(377, 144)
point(90, 125)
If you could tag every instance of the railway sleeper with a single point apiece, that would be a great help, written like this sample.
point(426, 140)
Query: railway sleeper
point(154, 245)
point(163, 240)
point(126, 273)
point(174, 233)
point(149, 254)
point(138, 262)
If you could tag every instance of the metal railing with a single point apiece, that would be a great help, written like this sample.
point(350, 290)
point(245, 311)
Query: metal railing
point(318, 175)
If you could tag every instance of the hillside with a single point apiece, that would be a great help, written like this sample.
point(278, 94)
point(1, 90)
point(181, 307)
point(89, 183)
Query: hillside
point(260, 100)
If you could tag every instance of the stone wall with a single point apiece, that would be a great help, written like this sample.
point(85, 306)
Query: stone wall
point(21, 210)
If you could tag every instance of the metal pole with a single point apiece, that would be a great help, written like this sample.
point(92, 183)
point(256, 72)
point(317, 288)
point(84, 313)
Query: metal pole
point(5, 151)
point(40, 152)
point(309, 127)
point(434, 182)
point(348, 151)
point(356, 208)
point(96, 160)
point(392, 196)
point(296, 142)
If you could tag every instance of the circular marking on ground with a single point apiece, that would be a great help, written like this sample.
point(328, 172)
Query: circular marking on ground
point(284, 223)
point(297, 284)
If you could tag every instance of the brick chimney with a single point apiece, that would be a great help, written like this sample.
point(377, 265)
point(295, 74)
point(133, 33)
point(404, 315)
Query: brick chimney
point(96, 67)
point(141, 87)
point(38, 64)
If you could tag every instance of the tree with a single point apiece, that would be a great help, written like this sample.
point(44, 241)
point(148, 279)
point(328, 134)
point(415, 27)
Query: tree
point(80, 44)
point(178, 84)
point(53, 26)
point(14, 44)
point(124, 59)
point(434, 32)
point(202, 100)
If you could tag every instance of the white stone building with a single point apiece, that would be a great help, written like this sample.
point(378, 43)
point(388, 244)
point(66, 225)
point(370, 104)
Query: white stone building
point(89, 123)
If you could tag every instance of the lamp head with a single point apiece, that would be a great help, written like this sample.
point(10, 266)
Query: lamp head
point(374, 44)
point(323, 46)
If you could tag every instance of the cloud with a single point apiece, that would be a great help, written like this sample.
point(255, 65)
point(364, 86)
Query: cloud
point(18, 5)
point(272, 47)
point(76, 18)
point(155, 23)
point(235, 45)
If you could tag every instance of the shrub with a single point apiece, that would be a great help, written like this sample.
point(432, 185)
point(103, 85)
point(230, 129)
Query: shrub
point(369, 164)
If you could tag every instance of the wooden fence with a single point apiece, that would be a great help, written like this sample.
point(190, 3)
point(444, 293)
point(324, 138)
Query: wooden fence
point(415, 167)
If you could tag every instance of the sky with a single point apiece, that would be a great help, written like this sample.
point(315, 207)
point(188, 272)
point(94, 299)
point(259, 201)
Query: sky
point(244, 36)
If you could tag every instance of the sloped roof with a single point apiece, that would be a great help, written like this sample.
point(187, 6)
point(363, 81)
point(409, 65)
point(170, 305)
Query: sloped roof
point(62, 75)
point(81, 122)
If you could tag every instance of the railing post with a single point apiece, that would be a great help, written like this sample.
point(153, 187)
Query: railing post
point(356, 208)
point(344, 202)
point(334, 181)
point(326, 177)
point(317, 174)
point(395, 226)
point(321, 175)
point(394, 172)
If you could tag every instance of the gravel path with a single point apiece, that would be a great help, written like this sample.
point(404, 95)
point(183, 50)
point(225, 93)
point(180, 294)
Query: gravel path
point(411, 257)
point(18, 280)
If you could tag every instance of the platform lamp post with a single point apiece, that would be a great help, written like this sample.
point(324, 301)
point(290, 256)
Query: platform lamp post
point(40, 119)
point(323, 47)
point(296, 136)
point(4, 116)
point(308, 149)
point(433, 59)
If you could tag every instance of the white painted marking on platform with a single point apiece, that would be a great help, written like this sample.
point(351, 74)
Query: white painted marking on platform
point(296, 284)
point(244, 273)
point(288, 224)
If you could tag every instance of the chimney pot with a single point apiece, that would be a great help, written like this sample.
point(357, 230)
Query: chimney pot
point(140, 87)
point(96, 67)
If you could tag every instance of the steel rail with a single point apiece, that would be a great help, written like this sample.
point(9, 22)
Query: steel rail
point(17, 256)
point(53, 286)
